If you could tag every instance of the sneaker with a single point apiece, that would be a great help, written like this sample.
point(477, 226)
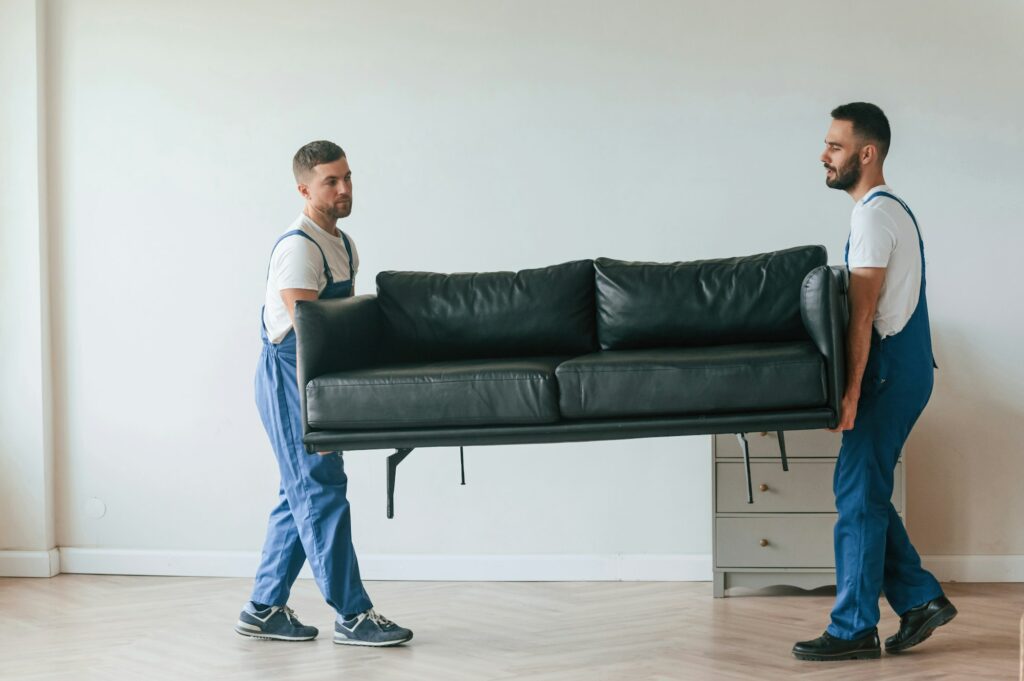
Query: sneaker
point(369, 629)
point(275, 622)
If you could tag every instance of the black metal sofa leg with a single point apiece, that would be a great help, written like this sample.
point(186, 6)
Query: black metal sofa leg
point(746, 459)
point(746, 465)
point(393, 461)
point(782, 450)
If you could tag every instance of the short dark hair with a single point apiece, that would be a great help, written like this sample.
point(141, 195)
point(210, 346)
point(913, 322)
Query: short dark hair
point(313, 154)
point(869, 123)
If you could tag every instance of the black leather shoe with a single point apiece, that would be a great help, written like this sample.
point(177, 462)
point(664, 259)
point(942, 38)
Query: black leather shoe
point(918, 623)
point(827, 647)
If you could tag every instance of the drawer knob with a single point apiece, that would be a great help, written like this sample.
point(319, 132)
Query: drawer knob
point(763, 487)
point(763, 542)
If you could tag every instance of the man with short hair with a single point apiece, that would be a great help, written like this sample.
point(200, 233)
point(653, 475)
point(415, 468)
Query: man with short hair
point(312, 260)
point(889, 380)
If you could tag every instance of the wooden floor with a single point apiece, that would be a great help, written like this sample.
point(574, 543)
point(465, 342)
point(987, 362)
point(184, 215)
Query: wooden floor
point(153, 628)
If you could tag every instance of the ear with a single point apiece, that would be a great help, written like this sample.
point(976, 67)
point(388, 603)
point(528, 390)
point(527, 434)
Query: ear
point(868, 154)
point(304, 190)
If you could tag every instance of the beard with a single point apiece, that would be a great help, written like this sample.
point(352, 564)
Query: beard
point(336, 211)
point(845, 177)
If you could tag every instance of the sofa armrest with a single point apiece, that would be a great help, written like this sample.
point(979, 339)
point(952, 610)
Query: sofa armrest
point(335, 335)
point(823, 307)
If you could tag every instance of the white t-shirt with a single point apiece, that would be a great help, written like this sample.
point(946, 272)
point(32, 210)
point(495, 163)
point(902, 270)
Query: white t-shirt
point(296, 263)
point(882, 234)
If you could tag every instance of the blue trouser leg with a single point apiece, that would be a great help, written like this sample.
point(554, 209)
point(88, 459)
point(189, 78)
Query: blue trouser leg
point(282, 556)
point(873, 551)
point(905, 583)
point(313, 518)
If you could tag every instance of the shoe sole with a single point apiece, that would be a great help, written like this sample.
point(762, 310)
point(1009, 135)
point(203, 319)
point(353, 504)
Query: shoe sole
point(865, 654)
point(943, 616)
point(374, 644)
point(239, 629)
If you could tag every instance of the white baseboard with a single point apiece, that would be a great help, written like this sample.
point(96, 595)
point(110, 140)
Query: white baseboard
point(416, 567)
point(160, 562)
point(29, 563)
point(975, 568)
point(540, 568)
point(425, 567)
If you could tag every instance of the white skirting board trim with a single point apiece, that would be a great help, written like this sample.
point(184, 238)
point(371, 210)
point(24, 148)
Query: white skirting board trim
point(420, 567)
point(161, 562)
point(541, 568)
point(975, 568)
point(29, 563)
point(414, 567)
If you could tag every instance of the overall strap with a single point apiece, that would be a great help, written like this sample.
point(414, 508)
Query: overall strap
point(348, 249)
point(900, 201)
point(920, 242)
point(299, 232)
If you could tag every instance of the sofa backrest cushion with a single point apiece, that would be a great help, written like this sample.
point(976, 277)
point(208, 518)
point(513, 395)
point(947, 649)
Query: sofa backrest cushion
point(547, 311)
point(704, 302)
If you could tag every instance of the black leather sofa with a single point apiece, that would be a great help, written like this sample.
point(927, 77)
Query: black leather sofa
point(585, 350)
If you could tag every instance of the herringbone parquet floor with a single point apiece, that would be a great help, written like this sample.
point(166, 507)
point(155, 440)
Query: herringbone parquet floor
point(82, 627)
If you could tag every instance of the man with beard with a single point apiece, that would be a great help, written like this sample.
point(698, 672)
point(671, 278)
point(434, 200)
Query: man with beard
point(312, 260)
point(889, 380)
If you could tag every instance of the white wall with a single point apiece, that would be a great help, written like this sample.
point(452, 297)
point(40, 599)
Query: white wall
point(26, 451)
point(499, 135)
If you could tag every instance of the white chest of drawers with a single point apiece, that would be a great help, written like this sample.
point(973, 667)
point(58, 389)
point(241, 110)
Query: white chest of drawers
point(785, 536)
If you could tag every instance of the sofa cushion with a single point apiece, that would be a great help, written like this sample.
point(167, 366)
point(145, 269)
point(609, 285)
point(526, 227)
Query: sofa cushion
point(436, 394)
point(544, 311)
point(680, 381)
point(704, 302)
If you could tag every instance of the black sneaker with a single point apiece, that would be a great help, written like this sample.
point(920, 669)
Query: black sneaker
point(826, 648)
point(275, 622)
point(918, 623)
point(369, 629)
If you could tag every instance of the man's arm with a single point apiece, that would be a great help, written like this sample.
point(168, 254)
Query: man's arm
point(290, 296)
point(865, 287)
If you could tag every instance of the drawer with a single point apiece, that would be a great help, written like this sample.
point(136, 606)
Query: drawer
point(790, 541)
point(805, 488)
point(799, 444)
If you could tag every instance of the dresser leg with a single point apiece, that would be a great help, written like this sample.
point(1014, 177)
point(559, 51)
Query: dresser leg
point(718, 584)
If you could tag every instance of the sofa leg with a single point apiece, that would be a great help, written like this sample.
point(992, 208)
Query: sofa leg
point(746, 465)
point(462, 465)
point(393, 461)
point(782, 450)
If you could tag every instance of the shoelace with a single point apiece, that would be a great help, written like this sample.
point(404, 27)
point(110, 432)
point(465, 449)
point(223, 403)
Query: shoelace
point(378, 619)
point(290, 614)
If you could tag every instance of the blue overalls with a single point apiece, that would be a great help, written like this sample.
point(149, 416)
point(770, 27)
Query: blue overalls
point(873, 552)
point(312, 517)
